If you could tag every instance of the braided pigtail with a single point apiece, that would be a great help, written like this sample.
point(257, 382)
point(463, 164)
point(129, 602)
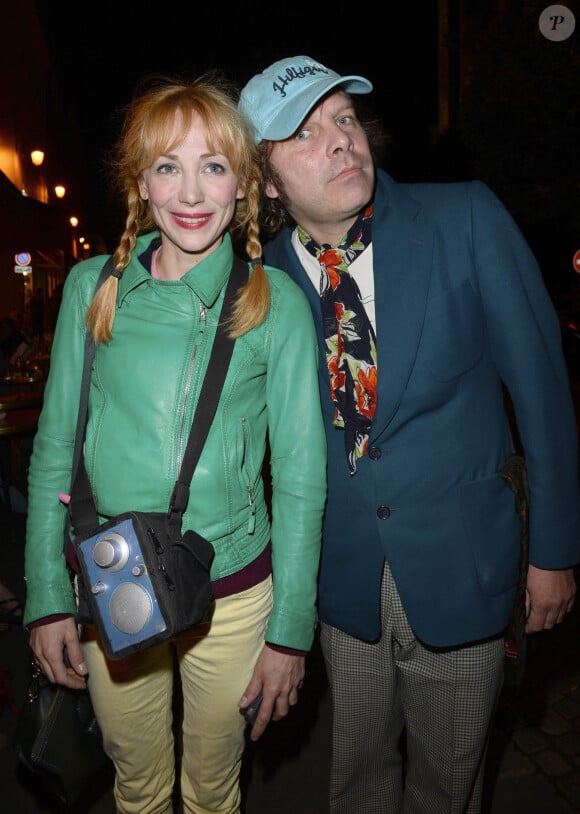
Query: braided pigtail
point(101, 312)
point(253, 301)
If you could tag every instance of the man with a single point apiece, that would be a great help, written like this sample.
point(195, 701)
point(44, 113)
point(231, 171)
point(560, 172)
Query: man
point(427, 301)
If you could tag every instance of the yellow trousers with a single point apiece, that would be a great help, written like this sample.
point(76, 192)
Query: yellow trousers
point(134, 700)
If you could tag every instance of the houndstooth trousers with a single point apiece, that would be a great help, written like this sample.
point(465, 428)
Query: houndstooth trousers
point(410, 723)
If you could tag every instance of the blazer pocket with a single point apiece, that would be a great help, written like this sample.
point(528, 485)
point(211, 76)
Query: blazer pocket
point(453, 334)
point(493, 530)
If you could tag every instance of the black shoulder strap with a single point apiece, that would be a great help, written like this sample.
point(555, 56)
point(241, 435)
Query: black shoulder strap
point(82, 505)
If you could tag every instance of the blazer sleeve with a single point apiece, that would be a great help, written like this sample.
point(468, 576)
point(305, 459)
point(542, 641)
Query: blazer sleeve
point(526, 344)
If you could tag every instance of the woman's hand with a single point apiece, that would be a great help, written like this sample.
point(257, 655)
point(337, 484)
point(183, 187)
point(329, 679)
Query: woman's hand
point(48, 643)
point(279, 676)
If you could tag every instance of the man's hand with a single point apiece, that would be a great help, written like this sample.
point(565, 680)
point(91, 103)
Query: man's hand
point(549, 597)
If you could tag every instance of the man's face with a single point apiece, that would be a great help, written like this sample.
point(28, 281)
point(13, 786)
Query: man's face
point(325, 169)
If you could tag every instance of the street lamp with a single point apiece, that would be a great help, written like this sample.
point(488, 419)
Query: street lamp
point(74, 222)
point(60, 191)
point(37, 157)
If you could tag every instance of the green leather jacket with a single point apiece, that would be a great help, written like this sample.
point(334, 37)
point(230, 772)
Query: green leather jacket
point(145, 384)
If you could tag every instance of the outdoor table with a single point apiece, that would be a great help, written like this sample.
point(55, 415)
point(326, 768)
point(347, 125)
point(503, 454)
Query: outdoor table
point(17, 399)
point(22, 381)
point(15, 425)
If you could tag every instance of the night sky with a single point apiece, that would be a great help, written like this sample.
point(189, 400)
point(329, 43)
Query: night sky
point(100, 52)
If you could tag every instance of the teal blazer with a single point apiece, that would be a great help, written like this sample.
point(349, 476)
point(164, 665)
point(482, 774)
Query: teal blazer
point(462, 312)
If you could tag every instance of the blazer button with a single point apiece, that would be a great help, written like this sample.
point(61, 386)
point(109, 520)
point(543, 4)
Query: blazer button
point(383, 512)
point(374, 453)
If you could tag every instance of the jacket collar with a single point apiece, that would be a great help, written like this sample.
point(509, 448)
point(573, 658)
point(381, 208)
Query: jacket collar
point(206, 279)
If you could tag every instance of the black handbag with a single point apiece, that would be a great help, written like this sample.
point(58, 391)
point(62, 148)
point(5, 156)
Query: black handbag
point(142, 581)
point(57, 737)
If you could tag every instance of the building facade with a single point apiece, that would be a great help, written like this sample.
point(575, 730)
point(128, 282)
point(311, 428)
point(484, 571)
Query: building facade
point(41, 171)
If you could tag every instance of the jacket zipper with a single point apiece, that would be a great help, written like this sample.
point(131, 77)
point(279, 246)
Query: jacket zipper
point(182, 429)
point(251, 498)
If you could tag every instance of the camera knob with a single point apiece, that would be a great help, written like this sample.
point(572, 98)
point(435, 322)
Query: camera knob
point(111, 551)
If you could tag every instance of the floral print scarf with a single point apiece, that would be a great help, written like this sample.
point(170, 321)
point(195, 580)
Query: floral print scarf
point(351, 354)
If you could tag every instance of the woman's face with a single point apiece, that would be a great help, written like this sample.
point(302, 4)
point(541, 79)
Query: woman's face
point(192, 194)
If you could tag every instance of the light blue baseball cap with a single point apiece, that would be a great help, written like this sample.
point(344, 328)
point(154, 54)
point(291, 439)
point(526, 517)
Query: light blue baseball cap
point(277, 100)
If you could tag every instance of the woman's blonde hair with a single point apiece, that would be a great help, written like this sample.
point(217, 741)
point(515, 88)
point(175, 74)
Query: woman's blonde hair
point(147, 132)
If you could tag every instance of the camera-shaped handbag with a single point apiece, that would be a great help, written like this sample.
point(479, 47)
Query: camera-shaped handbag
point(143, 584)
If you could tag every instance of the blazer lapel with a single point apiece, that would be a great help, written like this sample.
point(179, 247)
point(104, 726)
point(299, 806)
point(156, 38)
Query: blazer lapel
point(402, 262)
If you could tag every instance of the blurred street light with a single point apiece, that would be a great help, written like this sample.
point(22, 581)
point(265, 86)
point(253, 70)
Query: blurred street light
point(37, 157)
point(74, 222)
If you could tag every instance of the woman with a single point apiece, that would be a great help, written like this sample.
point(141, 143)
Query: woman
point(186, 166)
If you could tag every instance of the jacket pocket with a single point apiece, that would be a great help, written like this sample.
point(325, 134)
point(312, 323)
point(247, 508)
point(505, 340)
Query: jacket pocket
point(493, 530)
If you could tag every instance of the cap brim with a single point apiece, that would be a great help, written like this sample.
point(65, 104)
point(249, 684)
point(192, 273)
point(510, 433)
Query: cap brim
point(288, 120)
